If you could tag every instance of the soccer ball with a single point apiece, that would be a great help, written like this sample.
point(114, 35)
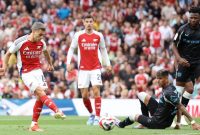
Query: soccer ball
point(107, 123)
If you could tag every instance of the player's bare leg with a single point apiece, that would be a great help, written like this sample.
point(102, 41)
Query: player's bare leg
point(87, 103)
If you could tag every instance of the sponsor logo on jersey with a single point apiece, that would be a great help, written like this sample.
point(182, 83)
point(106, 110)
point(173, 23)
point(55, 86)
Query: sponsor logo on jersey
point(89, 46)
point(186, 34)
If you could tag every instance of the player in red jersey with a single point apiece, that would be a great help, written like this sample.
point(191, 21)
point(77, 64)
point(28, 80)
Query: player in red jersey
point(28, 49)
point(91, 46)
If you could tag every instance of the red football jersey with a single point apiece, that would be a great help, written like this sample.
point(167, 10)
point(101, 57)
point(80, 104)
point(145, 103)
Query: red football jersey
point(156, 37)
point(28, 53)
point(89, 55)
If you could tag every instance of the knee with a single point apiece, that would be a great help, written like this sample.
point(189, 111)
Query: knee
point(39, 92)
point(96, 91)
point(84, 94)
point(190, 90)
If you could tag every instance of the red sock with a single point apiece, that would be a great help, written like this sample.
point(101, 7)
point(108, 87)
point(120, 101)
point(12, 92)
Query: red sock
point(87, 104)
point(36, 110)
point(97, 105)
point(49, 103)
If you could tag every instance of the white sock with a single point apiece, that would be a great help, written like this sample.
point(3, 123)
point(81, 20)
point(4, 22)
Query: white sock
point(142, 96)
point(97, 117)
point(180, 89)
point(132, 117)
point(187, 95)
point(33, 123)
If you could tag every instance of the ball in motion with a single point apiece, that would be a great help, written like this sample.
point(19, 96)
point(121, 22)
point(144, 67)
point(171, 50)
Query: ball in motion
point(107, 123)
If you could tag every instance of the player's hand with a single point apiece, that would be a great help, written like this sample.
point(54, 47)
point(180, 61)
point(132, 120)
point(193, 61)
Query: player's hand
point(69, 68)
point(109, 69)
point(183, 62)
point(50, 68)
point(2, 71)
point(195, 126)
point(177, 126)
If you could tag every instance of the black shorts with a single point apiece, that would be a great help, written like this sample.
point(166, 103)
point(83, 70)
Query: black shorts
point(152, 123)
point(186, 74)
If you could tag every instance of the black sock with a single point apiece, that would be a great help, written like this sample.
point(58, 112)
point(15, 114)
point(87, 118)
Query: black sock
point(125, 122)
point(144, 109)
point(185, 101)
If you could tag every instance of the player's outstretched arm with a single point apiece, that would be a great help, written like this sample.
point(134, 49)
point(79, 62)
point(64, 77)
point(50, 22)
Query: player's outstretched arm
point(195, 126)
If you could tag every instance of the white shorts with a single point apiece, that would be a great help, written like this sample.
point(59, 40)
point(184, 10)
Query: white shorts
point(85, 77)
point(33, 79)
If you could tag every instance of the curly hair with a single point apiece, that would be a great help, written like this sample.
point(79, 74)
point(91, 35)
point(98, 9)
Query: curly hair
point(194, 10)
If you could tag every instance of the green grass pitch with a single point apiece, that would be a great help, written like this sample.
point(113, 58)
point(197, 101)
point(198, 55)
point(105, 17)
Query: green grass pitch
point(74, 125)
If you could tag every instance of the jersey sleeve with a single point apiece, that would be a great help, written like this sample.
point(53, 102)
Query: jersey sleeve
point(73, 46)
point(172, 97)
point(14, 47)
point(103, 49)
point(177, 36)
point(44, 45)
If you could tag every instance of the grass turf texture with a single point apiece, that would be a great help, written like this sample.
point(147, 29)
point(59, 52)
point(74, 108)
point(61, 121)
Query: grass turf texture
point(73, 125)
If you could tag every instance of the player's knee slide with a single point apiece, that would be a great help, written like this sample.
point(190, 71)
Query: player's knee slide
point(187, 95)
point(180, 89)
point(142, 96)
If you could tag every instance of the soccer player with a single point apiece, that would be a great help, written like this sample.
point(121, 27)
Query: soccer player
point(91, 46)
point(164, 111)
point(28, 49)
point(186, 49)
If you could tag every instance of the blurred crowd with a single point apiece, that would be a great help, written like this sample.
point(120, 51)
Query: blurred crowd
point(138, 34)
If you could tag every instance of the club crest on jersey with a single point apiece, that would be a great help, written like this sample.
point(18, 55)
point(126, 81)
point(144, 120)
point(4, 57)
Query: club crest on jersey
point(83, 40)
point(26, 49)
point(38, 47)
point(95, 40)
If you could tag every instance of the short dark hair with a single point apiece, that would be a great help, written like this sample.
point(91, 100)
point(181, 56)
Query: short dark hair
point(88, 15)
point(194, 10)
point(162, 73)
